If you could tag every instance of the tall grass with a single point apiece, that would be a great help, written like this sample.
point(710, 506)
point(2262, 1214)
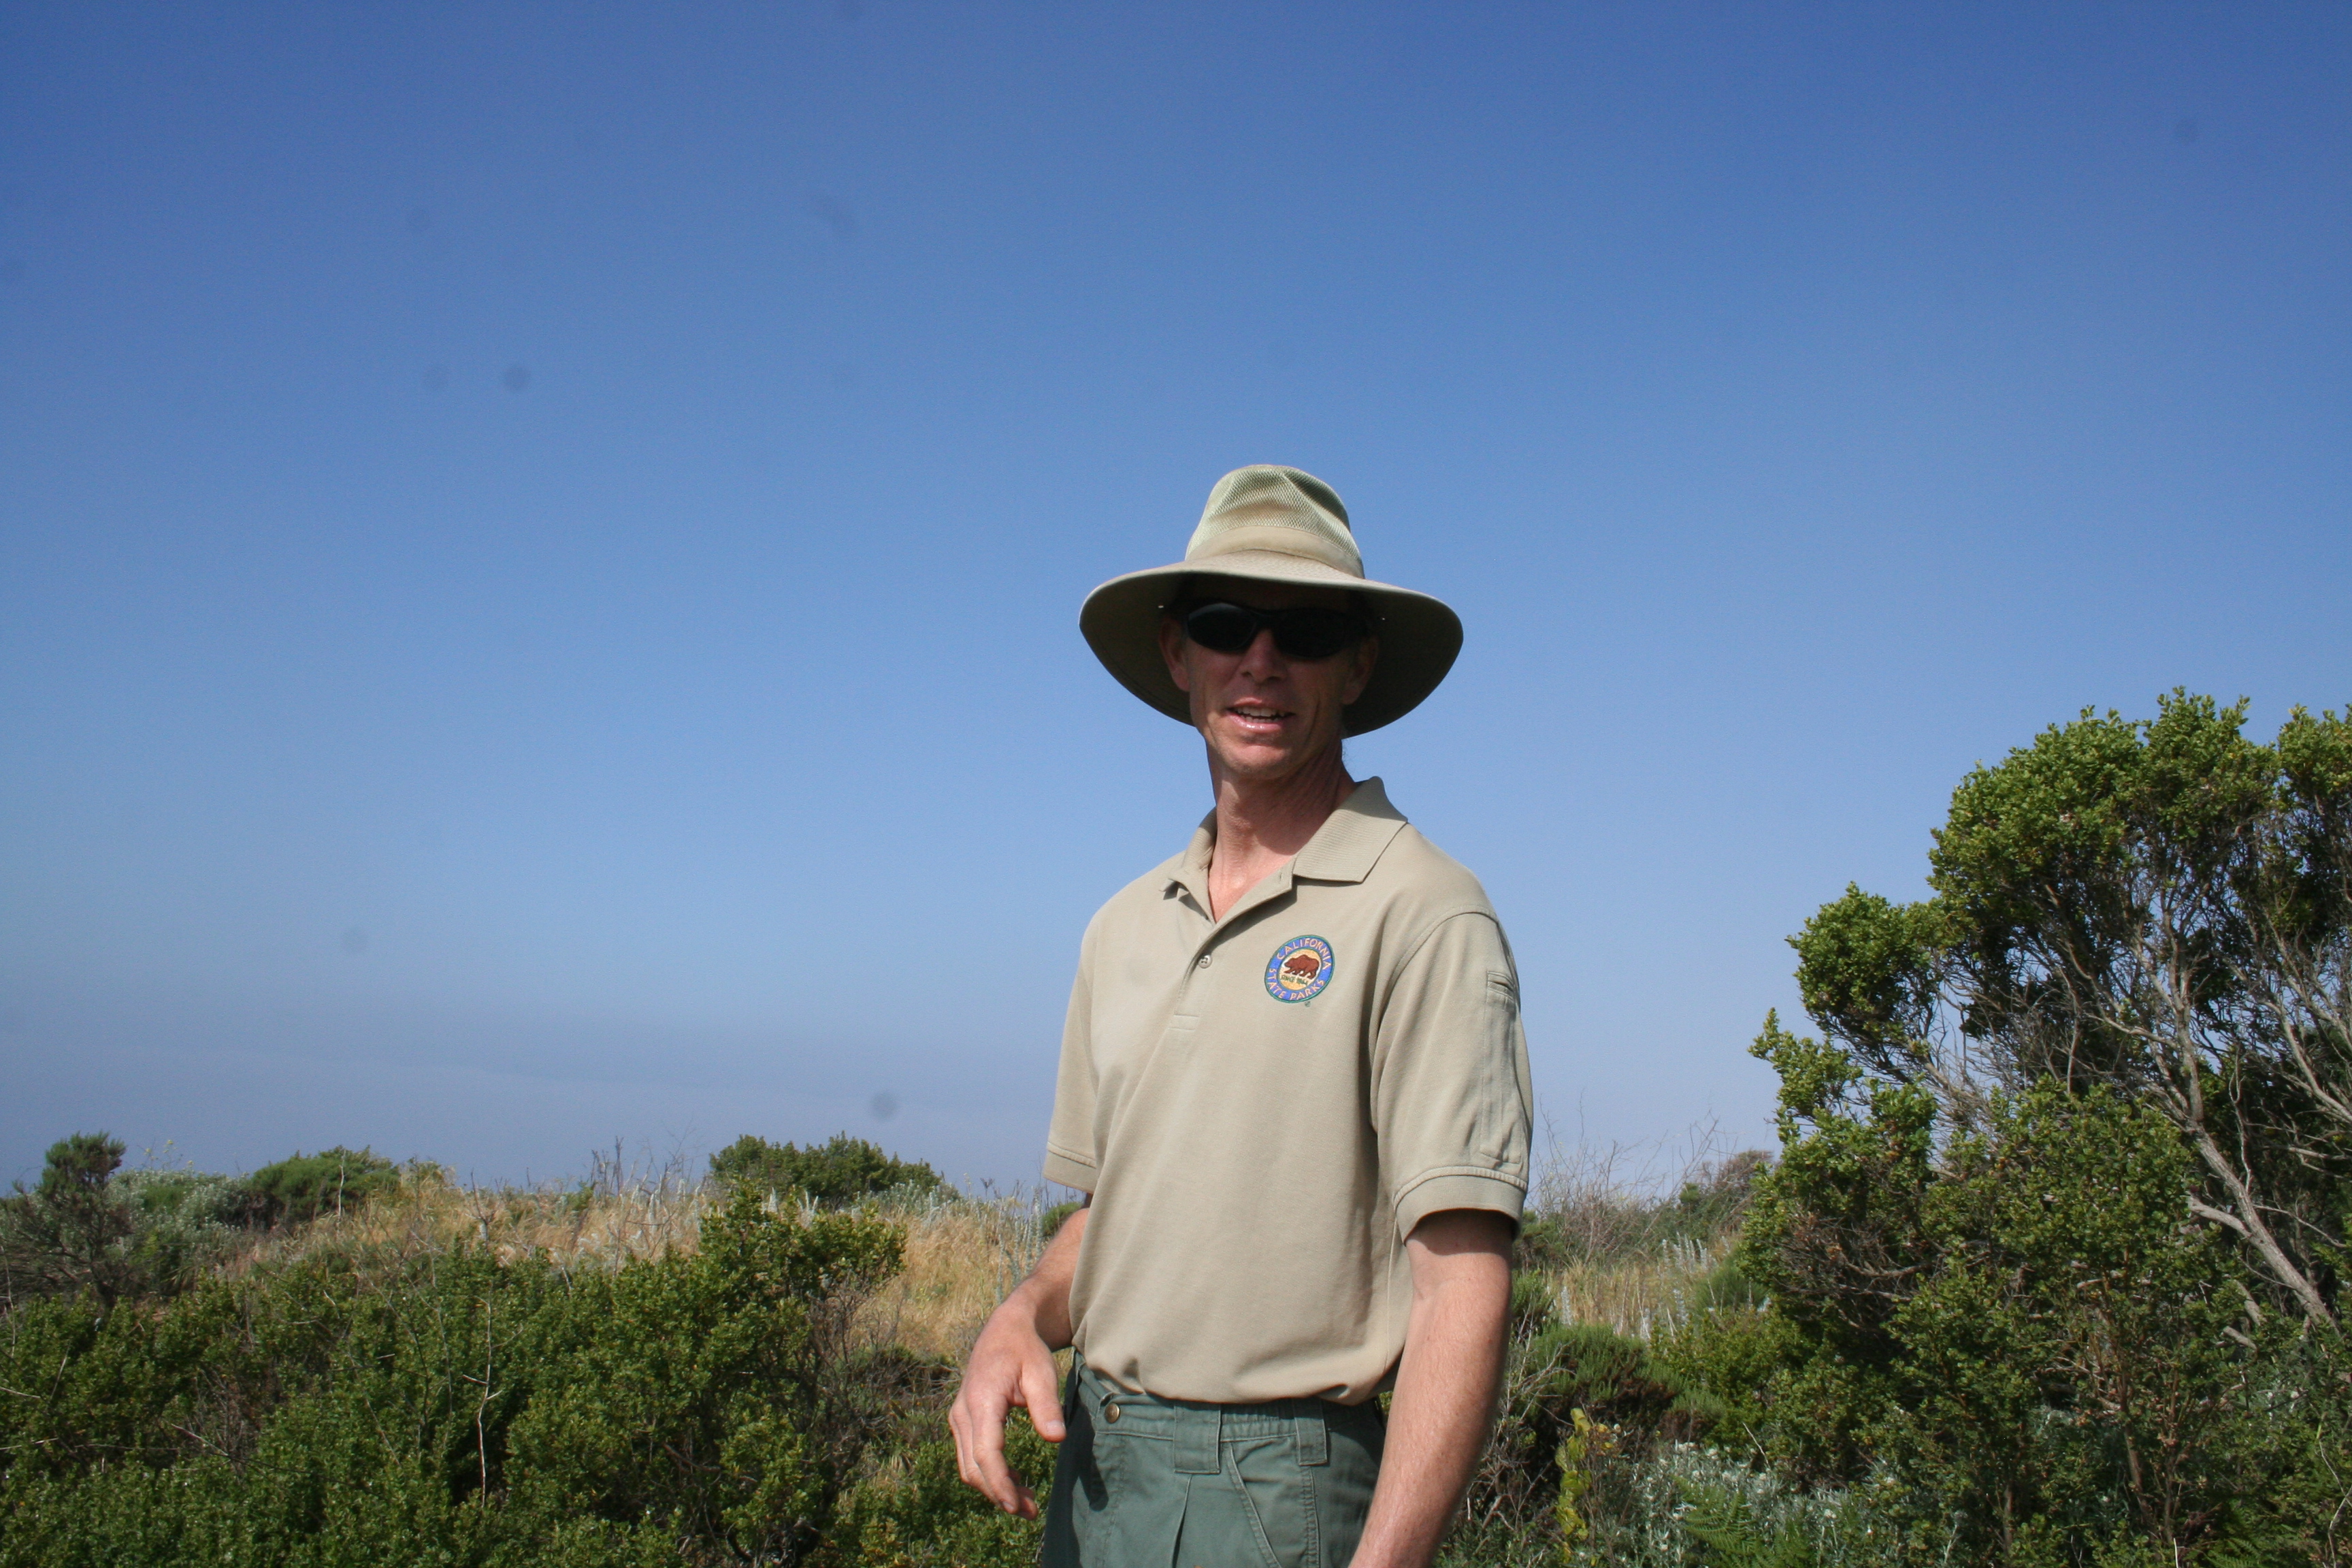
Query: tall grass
point(963, 1256)
point(1635, 1237)
point(621, 1212)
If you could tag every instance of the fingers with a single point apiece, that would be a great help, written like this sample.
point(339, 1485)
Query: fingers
point(958, 1423)
point(978, 1422)
point(1009, 1366)
point(1037, 1393)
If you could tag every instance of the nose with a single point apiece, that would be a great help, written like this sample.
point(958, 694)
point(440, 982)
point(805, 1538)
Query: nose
point(1262, 657)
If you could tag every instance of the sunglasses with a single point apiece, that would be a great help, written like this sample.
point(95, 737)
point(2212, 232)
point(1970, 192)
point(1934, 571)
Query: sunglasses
point(1301, 631)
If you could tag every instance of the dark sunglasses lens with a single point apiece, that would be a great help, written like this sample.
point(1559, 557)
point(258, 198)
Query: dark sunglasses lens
point(1222, 628)
point(1314, 634)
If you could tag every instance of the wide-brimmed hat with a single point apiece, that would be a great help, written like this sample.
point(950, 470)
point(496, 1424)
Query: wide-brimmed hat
point(1273, 524)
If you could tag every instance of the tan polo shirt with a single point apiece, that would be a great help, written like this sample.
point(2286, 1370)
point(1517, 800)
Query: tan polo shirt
point(1265, 1106)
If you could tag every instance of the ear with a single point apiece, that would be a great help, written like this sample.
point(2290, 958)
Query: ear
point(1365, 656)
point(1172, 650)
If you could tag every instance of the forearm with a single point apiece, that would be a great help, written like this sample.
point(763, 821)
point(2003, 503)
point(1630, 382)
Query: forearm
point(1043, 1297)
point(1444, 1399)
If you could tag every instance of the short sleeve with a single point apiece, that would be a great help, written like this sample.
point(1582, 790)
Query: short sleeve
point(1452, 1105)
point(1071, 1157)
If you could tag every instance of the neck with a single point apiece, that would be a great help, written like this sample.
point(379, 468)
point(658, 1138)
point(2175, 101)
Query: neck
point(1263, 822)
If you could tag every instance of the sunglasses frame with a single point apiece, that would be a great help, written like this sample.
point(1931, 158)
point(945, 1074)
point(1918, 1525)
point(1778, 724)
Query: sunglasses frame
point(1273, 620)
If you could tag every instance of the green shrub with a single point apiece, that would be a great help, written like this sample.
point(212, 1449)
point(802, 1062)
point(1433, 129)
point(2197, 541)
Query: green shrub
point(1532, 1303)
point(354, 1409)
point(2018, 1328)
point(91, 1227)
point(1693, 1507)
point(2050, 1268)
point(1720, 1362)
point(839, 1172)
point(1556, 1372)
point(915, 1511)
point(183, 1222)
point(66, 1235)
point(299, 1189)
point(2159, 907)
point(1597, 1370)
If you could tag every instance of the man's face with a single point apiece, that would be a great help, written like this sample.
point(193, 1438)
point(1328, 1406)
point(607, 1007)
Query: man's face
point(1263, 713)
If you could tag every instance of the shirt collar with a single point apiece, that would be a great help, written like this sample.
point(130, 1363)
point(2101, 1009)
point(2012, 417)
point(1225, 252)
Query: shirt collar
point(1352, 840)
point(1344, 849)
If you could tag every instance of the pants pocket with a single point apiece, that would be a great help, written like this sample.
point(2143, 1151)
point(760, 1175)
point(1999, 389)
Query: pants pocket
point(1078, 1512)
point(1276, 1495)
point(1343, 1484)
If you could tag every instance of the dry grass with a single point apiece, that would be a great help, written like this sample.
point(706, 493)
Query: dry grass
point(963, 1257)
point(616, 1216)
point(1632, 1229)
point(1636, 1295)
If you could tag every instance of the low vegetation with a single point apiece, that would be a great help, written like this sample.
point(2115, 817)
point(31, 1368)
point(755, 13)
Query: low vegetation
point(641, 1369)
point(2046, 1270)
point(843, 1170)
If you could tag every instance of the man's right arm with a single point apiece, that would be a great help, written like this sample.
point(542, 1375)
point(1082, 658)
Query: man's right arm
point(1012, 1364)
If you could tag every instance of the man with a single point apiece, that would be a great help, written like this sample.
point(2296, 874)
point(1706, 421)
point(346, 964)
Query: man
point(1294, 1088)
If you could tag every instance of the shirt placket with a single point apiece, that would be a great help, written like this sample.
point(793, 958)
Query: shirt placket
point(1190, 996)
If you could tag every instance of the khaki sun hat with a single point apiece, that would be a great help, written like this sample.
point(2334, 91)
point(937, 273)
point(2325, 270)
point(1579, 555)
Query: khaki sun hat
point(1273, 524)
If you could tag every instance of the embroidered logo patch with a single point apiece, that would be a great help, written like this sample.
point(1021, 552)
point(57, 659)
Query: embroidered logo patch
point(1300, 968)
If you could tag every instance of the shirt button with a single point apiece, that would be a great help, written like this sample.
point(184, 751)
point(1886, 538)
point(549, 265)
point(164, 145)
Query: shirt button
point(1205, 958)
point(1110, 1414)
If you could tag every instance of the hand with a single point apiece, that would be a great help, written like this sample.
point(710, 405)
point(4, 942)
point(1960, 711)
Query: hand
point(1012, 1364)
point(1009, 1366)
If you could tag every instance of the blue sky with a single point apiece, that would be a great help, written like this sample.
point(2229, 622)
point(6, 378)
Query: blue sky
point(540, 546)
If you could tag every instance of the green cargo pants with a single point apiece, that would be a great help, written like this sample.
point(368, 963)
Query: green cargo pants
point(1143, 1482)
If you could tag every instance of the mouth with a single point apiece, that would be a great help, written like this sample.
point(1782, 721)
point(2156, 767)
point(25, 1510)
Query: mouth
point(1258, 713)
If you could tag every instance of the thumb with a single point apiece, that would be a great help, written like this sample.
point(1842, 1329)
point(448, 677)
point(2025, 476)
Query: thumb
point(1044, 1403)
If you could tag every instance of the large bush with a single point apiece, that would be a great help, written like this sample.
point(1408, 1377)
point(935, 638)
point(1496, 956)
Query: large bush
point(2018, 1332)
point(333, 1181)
point(67, 1235)
point(2162, 907)
point(840, 1171)
point(2055, 1243)
point(2049, 1269)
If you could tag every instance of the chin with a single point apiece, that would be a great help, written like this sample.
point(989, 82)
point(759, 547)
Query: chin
point(1260, 758)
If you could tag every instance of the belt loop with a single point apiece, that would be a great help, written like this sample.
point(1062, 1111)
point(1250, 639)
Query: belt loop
point(1314, 1436)
point(1198, 1433)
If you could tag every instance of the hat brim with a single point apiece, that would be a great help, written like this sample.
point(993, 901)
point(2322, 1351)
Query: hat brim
point(1419, 635)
